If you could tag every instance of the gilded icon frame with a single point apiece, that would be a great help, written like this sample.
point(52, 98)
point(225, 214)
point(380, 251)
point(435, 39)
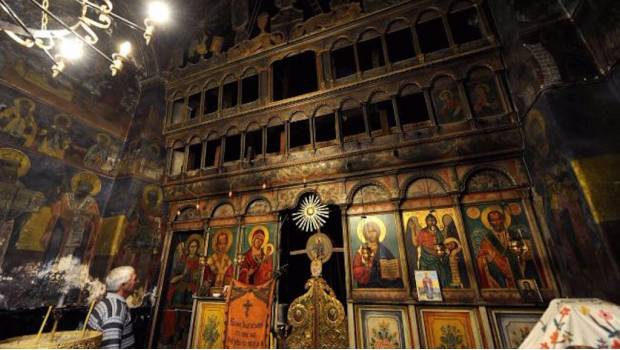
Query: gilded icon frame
point(395, 313)
point(500, 335)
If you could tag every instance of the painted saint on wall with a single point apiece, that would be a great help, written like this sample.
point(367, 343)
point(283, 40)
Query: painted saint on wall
point(143, 235)
point(424, 232)
point(491, 228)
point(256, 267)
point(103, 155)
point(375, 254)
point(220, 256)
point(55, 140)
point(18, 122)
point(17, 202)
point(74, 225)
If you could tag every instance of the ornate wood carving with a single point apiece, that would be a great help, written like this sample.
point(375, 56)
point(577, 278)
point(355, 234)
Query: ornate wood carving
point(317, 318)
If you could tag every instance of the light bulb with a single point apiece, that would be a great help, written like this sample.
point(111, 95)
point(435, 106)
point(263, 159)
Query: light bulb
point(264, 185)
point(158, 12)
point(71, 49)
point(125, 49)
point(230, 193)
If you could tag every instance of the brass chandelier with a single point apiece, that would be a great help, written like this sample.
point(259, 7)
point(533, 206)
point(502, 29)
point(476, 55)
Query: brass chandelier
point(64, 41)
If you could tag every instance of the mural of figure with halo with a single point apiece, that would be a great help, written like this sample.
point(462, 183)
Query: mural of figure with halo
point(55, 140)
point(75, 221)
point(18, 121)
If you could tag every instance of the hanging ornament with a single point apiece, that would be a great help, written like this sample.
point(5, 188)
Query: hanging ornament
point(311, 214)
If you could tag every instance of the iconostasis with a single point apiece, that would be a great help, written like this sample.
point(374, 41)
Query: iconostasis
point(439, 267)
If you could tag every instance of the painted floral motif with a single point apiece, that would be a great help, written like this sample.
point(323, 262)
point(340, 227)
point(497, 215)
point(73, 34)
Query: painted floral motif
point(384, 337)
point(451, 338)
point(211, 332)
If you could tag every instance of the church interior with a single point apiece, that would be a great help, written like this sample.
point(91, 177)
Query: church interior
point(312, 173)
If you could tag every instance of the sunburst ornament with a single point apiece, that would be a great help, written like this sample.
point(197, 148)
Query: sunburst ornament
point(311, 214)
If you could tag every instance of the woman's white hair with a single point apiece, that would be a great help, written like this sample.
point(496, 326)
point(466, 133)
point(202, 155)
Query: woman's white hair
point(117, 276)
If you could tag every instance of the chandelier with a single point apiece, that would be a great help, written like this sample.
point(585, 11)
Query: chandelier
point(63, 41)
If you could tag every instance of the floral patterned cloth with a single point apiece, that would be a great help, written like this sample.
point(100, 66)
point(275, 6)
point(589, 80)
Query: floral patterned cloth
point(589, 323)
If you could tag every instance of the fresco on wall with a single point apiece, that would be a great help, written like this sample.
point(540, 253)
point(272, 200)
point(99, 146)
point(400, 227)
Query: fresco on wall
point(74, 224)
point(65, 217)
point(50, 221)
point(374, 252)
point(490, 229)
point(144, 158)
point(258, 250)
point(143, 154)
point(144, 231)
point(425, 229)
point(34, 126)
point(65, 220)
point(88, 91)
point(577, 248)
point(17, 122)
point(17, 202)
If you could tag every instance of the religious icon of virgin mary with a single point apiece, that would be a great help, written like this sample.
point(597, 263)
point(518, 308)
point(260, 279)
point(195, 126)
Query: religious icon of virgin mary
point(257, 266)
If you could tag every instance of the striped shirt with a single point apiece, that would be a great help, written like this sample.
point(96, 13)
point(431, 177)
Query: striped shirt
point(111, 316)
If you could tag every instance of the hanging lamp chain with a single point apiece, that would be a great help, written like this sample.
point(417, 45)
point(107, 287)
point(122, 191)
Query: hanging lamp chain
point(44, 19)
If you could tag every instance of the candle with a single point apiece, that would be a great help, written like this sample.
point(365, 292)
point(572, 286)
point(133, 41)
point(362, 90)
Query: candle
point(282, 309)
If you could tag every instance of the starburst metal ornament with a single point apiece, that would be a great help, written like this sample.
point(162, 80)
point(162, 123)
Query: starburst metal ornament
point(311, 214)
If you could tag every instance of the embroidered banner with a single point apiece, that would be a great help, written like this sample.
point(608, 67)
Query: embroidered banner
point(248, 315)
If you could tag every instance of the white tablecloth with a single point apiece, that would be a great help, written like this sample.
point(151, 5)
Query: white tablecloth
point(591, 323)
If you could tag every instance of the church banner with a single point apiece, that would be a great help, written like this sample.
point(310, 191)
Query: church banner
point(248, 315)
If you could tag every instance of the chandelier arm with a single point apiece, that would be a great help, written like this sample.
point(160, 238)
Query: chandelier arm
point(67, 27)
point(13, 15)
point(125, 21)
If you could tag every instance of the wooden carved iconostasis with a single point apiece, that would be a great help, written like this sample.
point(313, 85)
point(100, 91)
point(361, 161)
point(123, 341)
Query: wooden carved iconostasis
point(444, 258)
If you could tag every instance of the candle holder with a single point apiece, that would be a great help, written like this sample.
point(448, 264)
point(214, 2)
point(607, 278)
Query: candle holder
point(440, 250)
point(281, 329)
point(517, 247)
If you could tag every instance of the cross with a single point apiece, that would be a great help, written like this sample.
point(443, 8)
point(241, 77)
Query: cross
point(247, 305)
point(318, 252)
point(304, 251)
